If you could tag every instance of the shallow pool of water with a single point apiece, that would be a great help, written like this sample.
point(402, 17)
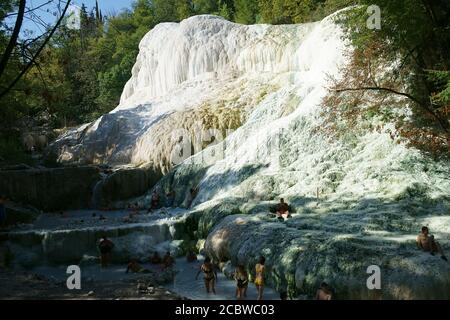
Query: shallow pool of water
point(84, 219)
point(184, 283)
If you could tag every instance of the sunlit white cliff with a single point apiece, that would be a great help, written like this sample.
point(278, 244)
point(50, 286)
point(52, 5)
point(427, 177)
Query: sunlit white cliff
point(205, 72)
point(358, 200)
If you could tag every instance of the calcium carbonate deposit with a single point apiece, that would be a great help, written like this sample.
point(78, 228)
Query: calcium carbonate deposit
point(258, 89)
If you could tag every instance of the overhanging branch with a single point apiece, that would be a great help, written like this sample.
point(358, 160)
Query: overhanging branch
point(442, 122)
point(14, 37)
point(30, 63)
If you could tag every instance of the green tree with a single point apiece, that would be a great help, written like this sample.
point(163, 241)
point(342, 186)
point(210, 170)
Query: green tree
point(246, 11)
point(414, 38)
point(165, 10)
point(206, 6)
point(184, 9)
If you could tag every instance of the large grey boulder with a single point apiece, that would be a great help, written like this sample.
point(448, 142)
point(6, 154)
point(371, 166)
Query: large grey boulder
point(337, 248)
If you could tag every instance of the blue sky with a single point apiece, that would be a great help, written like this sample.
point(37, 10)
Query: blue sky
point(108, 7)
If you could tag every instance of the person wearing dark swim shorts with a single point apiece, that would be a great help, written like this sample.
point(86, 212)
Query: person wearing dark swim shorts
point(241, 277)
point(105, 246)
point(209, 275)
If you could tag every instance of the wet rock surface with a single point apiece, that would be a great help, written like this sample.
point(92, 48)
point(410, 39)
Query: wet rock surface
point(50, 189)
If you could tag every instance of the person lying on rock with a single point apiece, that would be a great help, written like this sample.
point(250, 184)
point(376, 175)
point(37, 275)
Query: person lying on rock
point(168, 260)
point(209, 275)
point(105, 246)
point(426, 242)
point(156, 258)
point(325, 292)
point(283, 210)
point(135, 267)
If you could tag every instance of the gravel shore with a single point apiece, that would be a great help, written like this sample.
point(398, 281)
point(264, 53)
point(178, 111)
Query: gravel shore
point(18, 285)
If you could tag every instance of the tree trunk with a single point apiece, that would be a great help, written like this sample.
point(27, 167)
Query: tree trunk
point(28, 66)
point(15, 35)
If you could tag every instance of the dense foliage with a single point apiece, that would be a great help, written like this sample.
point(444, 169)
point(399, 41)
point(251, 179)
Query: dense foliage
point(412, 50)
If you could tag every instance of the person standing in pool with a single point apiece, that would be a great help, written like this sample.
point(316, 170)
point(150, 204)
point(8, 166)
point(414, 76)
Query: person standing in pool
point(168, 261)
point(105, 246)
point(259, 279)
point(209, 275)
point(191, 256)
point(155, 259)
point(241, 278)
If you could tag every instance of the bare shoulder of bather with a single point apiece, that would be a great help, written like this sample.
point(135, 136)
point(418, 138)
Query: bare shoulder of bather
point(323, 295)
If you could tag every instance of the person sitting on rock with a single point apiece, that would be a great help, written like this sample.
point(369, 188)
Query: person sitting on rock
point(193, 192)
point(170, 199)
point(156, 258)
point(135, 267)
point(154, 204)
point(191, 256)
point(282, 210)
point(105, 246)
point(135, 209)
point(168, 260)
point(426, 242)
point(325, 292)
